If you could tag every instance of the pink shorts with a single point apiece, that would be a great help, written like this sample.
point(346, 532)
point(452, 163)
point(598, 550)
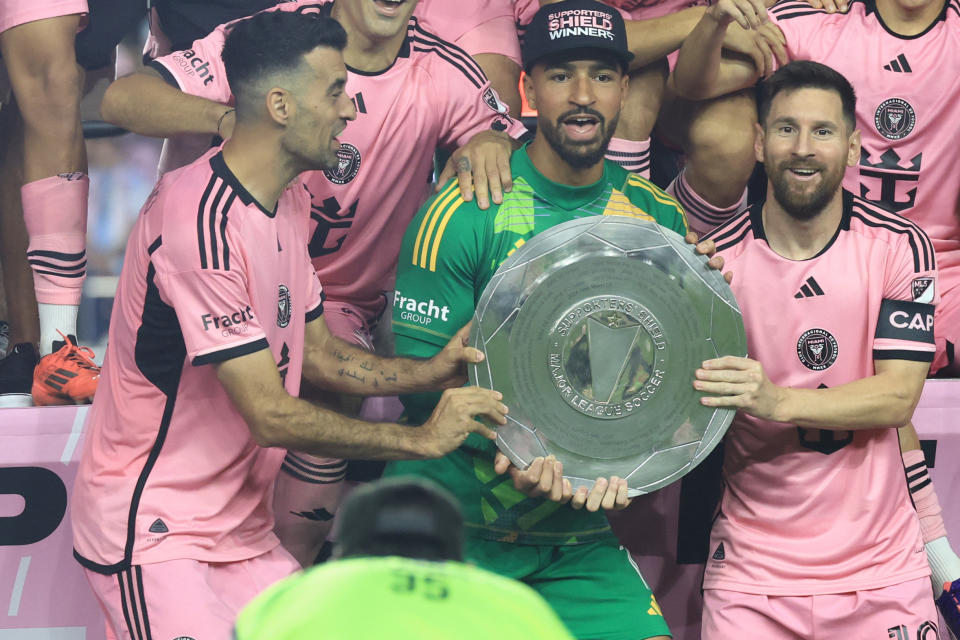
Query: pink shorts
point(946, 327)
point(185, 598)
point(16, 12)
point(902, 611)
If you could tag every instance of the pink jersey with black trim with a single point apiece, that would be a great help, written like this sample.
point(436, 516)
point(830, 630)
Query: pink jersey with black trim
point(361, 207)
point(810, 511)
point(908, 107)
point(169, 468)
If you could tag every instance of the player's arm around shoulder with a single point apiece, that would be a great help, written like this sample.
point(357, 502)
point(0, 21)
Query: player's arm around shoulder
point(182, 93)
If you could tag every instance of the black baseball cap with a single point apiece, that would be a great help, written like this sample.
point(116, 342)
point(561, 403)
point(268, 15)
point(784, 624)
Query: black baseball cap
point(575, 24)
point(402, 516)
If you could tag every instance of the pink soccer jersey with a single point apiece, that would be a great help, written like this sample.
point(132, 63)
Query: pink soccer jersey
point(169, 467)
point(478, 26)
point(810, 511)
point(434, 95)
point(16, 12)
point(908, 104)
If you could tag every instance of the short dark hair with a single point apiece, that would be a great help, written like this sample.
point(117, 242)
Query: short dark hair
point(273, 42)
point(402, 516)
point(805, 74)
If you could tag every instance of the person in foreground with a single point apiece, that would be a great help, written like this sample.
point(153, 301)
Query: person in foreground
point(399, 573)
point(816, 534)
point(218, 315)
point(566, 552)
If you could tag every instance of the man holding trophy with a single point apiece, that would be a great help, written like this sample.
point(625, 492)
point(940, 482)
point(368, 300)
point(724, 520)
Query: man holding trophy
point(549, 534)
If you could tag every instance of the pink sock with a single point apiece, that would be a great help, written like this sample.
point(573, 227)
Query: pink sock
point(307, 495)
point(632, 155)
point(923, 495)
point(55, 213)
point(701, 215)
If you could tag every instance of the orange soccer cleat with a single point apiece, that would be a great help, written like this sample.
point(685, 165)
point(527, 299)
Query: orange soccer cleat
point(66, 376)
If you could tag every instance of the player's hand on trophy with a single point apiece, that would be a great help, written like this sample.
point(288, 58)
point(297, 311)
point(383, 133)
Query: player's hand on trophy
point(739, 383)
point(749, 14)
point(448, 369)
point(453, 419)
point(542, 479)
point(482, 166)
point(609, 495)
point(709, 249)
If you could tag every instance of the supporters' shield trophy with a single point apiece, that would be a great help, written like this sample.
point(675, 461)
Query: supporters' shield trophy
point(592, 331)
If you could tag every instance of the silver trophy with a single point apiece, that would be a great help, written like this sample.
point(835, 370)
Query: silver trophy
point(592, 331)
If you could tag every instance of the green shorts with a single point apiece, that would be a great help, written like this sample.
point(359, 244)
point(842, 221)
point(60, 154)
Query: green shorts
point(595, 587)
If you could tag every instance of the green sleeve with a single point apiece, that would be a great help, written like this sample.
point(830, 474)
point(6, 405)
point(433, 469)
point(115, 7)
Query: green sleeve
point(661, 205)
point(437, 275)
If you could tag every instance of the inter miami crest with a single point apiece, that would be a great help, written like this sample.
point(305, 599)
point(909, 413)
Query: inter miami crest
point(817, 349)
point(283, 307)
point(895, 118)
point(348, 165)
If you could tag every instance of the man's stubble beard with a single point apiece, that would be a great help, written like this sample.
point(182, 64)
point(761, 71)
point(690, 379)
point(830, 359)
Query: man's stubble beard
point(551, 132)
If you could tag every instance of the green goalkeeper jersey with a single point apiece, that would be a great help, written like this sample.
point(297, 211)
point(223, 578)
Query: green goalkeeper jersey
point(450, 251)
point(399, 599)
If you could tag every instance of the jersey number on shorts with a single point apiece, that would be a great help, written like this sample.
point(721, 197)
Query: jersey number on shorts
point(333, 224)
point(824, 441)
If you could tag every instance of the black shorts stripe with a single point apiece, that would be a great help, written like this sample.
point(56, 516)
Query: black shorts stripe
point(143, 602)
point(154, 245)
point(125, 608)
point(309, 479)
point(307, 468)
point(134, 603)
point(920, 486)
point(336, 464)
point(920, 245)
